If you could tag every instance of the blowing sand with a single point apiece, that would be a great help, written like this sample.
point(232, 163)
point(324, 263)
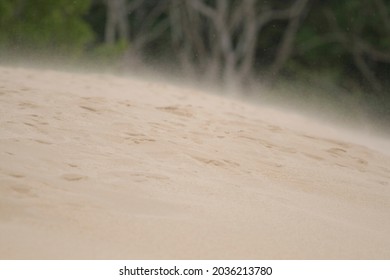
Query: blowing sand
point(100, 167)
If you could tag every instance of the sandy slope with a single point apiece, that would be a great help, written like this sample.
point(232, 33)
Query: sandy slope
point(94, 166)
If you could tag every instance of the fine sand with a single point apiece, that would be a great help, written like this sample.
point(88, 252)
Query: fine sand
point(100, 167)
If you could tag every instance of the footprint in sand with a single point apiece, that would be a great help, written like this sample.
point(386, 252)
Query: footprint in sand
point(384, 183)
point(274, 128)
point(329, 141)
point(89, 109)
point(183, 112)
point(88, 104)
point(145, 177)
point(338, 143)
point(336, 151)
point(219, 163)
point(42, 142)
point(313, 156)
point(138, 138)
point(21, 189)
point(26, 89)
point(142, 141)
point(177, 124)
point(258, 140)
point(126, 103)
point(16, 175)
point(29, 124)
point(361, 161)
point(25, 105)
point(73, 177)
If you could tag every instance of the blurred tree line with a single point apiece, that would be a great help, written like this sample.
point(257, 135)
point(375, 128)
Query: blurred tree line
point(53, 26)
point(231, 42)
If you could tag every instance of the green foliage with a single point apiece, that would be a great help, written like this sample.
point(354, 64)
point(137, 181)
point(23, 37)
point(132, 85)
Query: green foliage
point(109, 54)
point(44, 25)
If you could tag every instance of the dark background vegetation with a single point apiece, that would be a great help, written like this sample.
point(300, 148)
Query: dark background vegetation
point(334, 53)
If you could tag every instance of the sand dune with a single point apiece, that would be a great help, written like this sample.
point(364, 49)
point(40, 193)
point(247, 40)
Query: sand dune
point(102, 167)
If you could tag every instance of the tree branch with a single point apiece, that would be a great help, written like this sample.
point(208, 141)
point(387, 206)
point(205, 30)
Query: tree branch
point(148, 32)
point(357, 47)
point(374, 54)
point(285, 47)
point(203, 8)
point(366, 71)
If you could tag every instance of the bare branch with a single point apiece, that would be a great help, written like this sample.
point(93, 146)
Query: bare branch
point(203, 8)
point(285, 47)
point(270, 15)
point(366, 71)
point(151, 35)
point(357, 47)
point(374, 54)
point(148, 32)
point(152, 16)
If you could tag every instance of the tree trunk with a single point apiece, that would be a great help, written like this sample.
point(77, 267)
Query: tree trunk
point(116, 24)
